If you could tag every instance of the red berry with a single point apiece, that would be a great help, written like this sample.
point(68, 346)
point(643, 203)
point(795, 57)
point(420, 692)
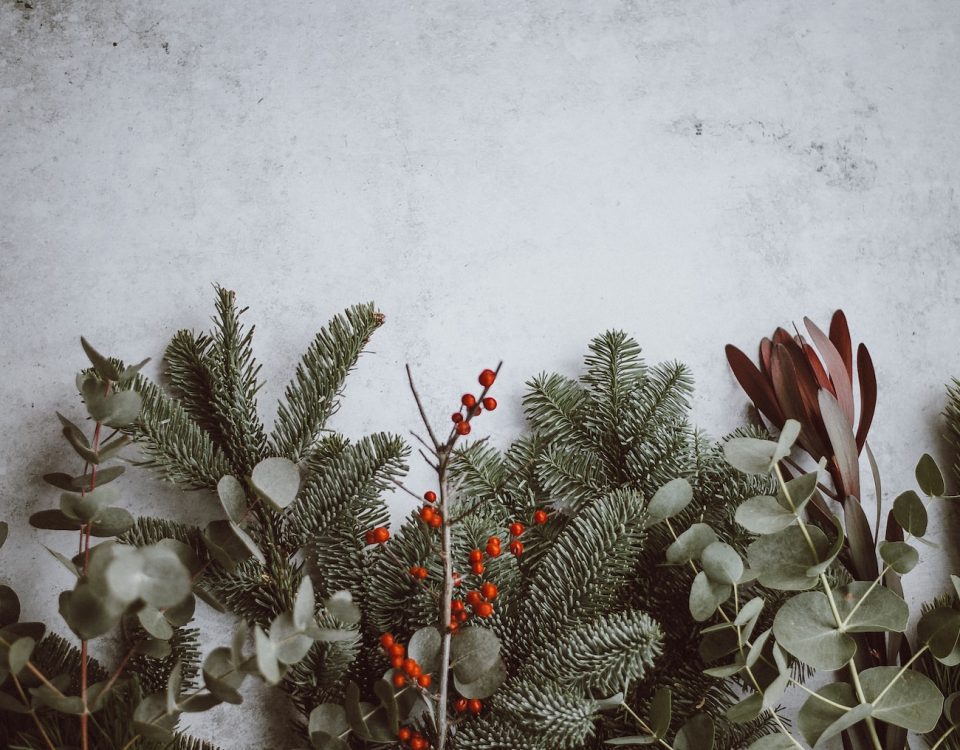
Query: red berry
point(489, 403)
point(541, 517)
point(399, 680)
point(404, 734)
point(468, 400)
point(476, 411)
point(418, 743)
point(516, 529)
point(427, 513)
point(424, 680)
point(477, 568)
point(475, 706)
point(457, 417)
point(461, 705)
point(484, 609)
point(396, 662)
point(493, 546)
point(457, 581)
point(489, 591)
point(430, 496)
point(461, 616)
point(463, 428)
point(474, 598)
point(436, 522)
point(456, 606)
point(411, 667)
point(516, 548)
point(369, 537)
point(386, 640)
point(486, 378)
point(397, 649)
point(476, 556)
point(454, 625)
point(381, 534)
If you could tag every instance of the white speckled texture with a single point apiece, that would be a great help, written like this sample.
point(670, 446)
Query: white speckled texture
point(505, 179)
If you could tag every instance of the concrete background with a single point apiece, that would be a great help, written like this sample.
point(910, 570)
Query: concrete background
point(505, 179)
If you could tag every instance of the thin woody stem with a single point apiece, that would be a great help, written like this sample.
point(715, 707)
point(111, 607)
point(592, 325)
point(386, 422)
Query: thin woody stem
point(423, 413)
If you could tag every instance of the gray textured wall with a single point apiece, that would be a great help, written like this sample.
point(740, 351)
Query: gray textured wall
point(505, 179)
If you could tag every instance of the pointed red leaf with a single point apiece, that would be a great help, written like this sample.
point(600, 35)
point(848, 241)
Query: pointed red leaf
point(862, 550)
point(868, 393)
point(840, 336)
point(781, 336)
point(755, 385)
point(842, 384)
point(784, 376)
point(766, 346)
point(822, 378)
point(842, 442)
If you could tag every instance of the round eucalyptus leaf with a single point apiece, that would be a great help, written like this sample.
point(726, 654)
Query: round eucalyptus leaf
point(721, 563)
point(670, 499)
point(54, 520)
point(232, 497)
point(424, 647)
point(290, 642)
point(267, 661)
point(86, 507)
point(910, 513)
point(388, 700)
point(221, 675)
point(775, 690)
point(276, 480)
point(162, 580)
point(706, 596)
point(847, 719)
point(327, 722)
point(12, 705)
point(152, 720)
point(473, 651)
point(827, 560)
point(199, 702)
point(816, 715)
point(184, 553)
point(750, 455)
point(104, 476)
point(783, 559)
point(485, 685)
point(661, 711)
point(9, 606)
point(763, 515)
point(746, 710)
point(691, 543)
point(88, 614)
point(951, 708)
point(749, 611)
point(900, 556)
point(230, 544)
point(805, 627)
point(696, 734)
point(871, 609)
point(929, 476)
point(795, 493)
point(303, 604)
point(62, 703)
point(152, 620)
point(111, 521)
point(912, 700)
point(342, 607)
point(329, 718)
point(116, 409)
point(939, 628)
point(180, 614)
point(18, 654)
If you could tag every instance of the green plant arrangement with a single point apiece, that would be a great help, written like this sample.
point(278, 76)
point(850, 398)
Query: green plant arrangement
point(613, 578)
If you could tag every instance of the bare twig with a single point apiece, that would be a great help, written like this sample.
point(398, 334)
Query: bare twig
point(423, 413)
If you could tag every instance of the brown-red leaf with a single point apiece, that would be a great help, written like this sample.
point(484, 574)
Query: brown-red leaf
point(868, 393)
point(755, 385)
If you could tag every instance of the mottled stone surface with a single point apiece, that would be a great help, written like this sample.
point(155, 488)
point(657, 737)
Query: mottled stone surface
point(505, 179)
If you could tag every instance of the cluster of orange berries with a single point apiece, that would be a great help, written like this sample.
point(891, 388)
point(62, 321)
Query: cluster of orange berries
point(413, 740)
point(463, 705)
point(431, 517)
point(378, 535)
point(406, 668)
point(473, 406)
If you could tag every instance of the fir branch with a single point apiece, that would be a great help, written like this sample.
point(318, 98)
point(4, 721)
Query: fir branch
point(554, 407)
point(952, 415)
point(187, 360)
point(174, 445)
point(312, 396)
point(234, 375)
point(560, 716)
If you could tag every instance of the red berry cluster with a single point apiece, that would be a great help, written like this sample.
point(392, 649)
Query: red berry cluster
point(406, 668)
point(419, 572)
point(463, 705)
point(432, 518)
point(413, 740)
point(471, 407)
point(378, 535)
